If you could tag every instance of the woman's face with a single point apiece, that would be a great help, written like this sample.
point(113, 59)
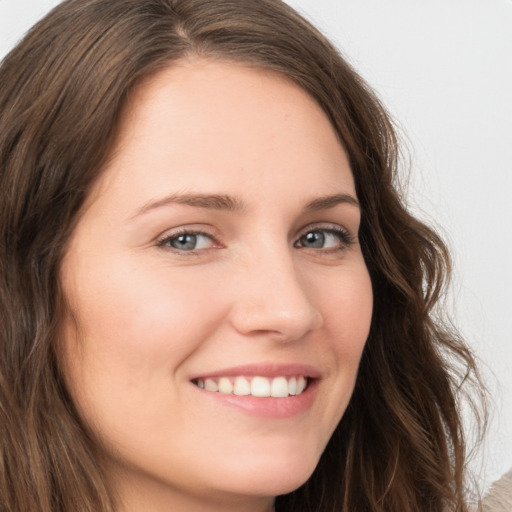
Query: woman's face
point(216, 261)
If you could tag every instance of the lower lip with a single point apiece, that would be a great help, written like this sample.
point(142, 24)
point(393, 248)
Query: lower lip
point(267, 407)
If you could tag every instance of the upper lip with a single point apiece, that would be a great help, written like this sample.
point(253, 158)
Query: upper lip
point(268, 370)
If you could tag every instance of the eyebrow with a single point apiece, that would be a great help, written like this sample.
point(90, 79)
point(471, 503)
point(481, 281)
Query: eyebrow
point(230, 203)
point(208, 201)
point(326, 202)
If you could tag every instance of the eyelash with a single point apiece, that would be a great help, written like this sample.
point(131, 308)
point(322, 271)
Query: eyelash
point(345, 237)
point(164, 242)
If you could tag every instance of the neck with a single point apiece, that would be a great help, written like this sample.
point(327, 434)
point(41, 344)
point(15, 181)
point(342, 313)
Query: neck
point(148, 495)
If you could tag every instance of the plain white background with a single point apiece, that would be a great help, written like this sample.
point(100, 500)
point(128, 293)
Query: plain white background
point(444, 70)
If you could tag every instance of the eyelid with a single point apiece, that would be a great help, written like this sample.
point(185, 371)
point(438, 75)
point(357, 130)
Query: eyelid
point(324, 226)
point(347, 237)
point(185, 230)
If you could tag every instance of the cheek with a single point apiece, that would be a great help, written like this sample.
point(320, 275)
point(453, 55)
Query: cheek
point(136, 327)
point(347, 310)
point(347, 314)
point(354, 316)
point(355, 323)
point(140, 308)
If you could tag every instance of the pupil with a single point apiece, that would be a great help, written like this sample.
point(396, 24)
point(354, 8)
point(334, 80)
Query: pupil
point(314, 239)
point(184, 242)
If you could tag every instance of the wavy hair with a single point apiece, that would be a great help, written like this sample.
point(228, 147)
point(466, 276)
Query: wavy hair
point(400, 445)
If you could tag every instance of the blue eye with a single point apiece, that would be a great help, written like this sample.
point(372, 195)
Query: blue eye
point(324, 239)
point(188, 241)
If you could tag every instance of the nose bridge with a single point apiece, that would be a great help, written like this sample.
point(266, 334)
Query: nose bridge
point(272, 298)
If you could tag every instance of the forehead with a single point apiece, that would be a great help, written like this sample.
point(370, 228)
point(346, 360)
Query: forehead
point(213, 124)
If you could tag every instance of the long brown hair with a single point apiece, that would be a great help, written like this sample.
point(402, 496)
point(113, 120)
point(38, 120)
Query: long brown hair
point(400, 445)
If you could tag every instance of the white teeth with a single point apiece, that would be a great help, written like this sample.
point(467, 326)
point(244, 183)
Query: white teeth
point(301, 385)
point(210, 385)
point(278, 387)
point(225, 386)
point(260, 386)
point(292, 386)
point(242, 386)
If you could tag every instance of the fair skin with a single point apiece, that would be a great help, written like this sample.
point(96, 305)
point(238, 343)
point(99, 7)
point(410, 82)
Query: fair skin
point(219, 244)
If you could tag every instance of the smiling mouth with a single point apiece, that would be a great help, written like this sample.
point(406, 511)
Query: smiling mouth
point(277, 387)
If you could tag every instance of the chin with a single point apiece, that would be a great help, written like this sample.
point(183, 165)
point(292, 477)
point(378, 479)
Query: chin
point(271, 475)
point(269, 484)
point(283, 483)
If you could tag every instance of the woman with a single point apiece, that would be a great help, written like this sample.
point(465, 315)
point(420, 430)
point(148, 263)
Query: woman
point(213, 297)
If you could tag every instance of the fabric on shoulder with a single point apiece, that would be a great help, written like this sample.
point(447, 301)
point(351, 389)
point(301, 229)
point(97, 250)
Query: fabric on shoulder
point(499, 497)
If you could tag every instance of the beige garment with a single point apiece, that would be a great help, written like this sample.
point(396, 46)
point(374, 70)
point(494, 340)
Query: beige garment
point(499, 497)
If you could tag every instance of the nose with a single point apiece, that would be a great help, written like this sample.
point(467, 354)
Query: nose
point(272, 301)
